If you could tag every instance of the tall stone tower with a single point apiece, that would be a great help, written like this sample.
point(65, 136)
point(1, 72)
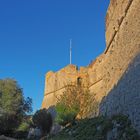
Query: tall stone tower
point(57, 81)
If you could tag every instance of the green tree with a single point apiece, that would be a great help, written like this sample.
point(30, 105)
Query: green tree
point(65, 114)
point(43, 120)
point(13, 106)
point(76, 100)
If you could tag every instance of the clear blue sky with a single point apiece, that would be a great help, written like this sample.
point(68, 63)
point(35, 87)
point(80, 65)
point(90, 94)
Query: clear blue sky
point(34, 38)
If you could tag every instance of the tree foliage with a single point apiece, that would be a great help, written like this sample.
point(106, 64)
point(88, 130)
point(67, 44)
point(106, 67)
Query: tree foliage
point(76, 100)
point(43, 120)
point(13, 106)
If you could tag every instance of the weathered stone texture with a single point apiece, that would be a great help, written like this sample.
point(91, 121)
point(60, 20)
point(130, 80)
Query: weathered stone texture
point(116, 13)
point(121, 81)
point(125, 96)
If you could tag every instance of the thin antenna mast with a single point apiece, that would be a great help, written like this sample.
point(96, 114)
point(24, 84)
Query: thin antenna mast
point(70, 51)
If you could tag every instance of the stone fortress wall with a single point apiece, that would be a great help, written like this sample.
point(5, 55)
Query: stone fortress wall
point(112, 74)
point(122, 62)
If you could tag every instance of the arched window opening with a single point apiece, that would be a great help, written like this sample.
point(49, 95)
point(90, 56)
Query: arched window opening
point(79, 81)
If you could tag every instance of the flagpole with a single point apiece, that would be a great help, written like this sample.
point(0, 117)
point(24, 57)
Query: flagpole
point(70, 51)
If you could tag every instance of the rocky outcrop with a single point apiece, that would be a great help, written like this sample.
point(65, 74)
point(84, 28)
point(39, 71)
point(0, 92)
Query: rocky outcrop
point(106, 76)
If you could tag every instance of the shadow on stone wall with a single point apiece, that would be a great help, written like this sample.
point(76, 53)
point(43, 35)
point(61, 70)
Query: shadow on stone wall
point(124, 98)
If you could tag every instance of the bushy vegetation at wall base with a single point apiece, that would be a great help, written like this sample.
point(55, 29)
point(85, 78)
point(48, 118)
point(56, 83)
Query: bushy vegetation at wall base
point(100, 128)
point(43, 120)
point(75, 101)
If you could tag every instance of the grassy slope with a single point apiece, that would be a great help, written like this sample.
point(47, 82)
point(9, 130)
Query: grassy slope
point(97, 129)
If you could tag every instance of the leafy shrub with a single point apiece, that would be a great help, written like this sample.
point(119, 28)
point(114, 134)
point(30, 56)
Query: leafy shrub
point(65, 115)
point(24, 127)
point(76, 100)
point(125, 129)
point(43, 120)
